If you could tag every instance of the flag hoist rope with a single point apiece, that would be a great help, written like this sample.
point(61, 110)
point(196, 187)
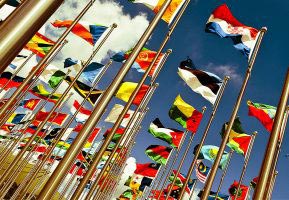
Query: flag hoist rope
point(214, 168)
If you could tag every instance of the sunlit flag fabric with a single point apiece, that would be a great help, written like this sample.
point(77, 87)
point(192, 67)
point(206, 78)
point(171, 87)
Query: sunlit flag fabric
point(89, 32)
point(172, 136)
point(39, 44)
point(202, 171)
point(156, 5)
point(119, 132)
point(242, 193)
point(8, 81)
point(186, 115)
point(143, 60)
point(212, 196)
point(127, 88)
point(16, 118)
point(238, 140)
point(116, 111)
point(179, 180)
point(224, 24)
point(209, 152)
point(83, 113)
point(264, 113)
point(158, 153)
point(147, 169)
point(205, 83)
point(56, 117)
point(30, 104)
point(41, 92)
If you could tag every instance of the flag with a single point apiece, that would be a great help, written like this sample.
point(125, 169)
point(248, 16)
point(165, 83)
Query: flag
point(89, 32)
point(56, 117)
point(212, 196)
point(30, 104)
point(128, 195)
point(169, 135)
point(202, 171)
point(175, 192)
point(209, 152)
point(118, 133)
point(127, 88)
point(56, 79)
point(156, 5)
point(16, 118)
point(158, 153)
point(264, 113)
point(116, 111)
point(83, 113)
point(205, 83)
point(41, 92)
point(225, 25)
point(238, 140)
point(242, 193)
point(138, 182)
point(147, 169)
point(40, 45)
point(13, 3)
point(5, 80)
point(185, 114)
point(179, 180)
point(143, 60)
point(253, 182)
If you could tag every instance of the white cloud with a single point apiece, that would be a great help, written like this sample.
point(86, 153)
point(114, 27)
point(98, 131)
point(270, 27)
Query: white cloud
point(125, 36)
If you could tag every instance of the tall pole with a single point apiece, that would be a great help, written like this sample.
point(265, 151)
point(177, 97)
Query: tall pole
point(2, 3)
point(20, 27)
point(247, 157)
point(214, 169)
point(212, 117)
point(95, 116)
point(268, 160)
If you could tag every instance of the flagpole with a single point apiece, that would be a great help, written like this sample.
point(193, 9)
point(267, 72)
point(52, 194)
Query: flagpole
point(268, 160)
point(224, 174)
point(193, 189)
point(2, 3)
point(247, 158)
point(214, 169)
point(212, 117)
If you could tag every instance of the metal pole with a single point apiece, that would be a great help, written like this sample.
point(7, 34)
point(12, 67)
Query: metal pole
point(2, 3)
point(15, 31)
point(212, 117)
point(214, 169)
point(268, 160)
point(247, 157)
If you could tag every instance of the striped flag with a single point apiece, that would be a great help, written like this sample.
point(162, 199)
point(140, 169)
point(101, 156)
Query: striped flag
point(202, 171)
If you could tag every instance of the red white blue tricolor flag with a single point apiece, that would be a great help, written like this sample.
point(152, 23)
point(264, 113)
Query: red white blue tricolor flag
point(224, 24)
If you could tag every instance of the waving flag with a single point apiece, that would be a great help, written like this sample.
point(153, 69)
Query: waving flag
point(127, 88)
point(16, 118)
point(56, 117)
point(119, 132)
point(224, 24)
point(138, 182)
point(158, 153)
point(83, 113)
point(41, 92)
point(185, 114)
point(169, 135)
point(30, 104)
point(242, 193)
point(239, 141)
point(264, 113)
point(5, 80)
point(147, 169)
point(202, 171)
point(40, 45)
point(180, 178)
point(89, 32)
point(213, 196)
point(205, 83)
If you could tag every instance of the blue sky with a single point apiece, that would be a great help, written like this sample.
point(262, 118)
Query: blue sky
point(212, 53)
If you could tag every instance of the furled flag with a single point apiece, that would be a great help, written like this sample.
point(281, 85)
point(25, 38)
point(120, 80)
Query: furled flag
point(238, 140)
point(158, 153)
point(83, 113)
point(16, 118)
point(185, 114)
point(116, 111)
point(56, 118)
point(264, 113)
point(202, 171)
point(242, 193)
point(205, 83)
point(9, 82)
point(147, 169)
point(119, 132)
point(171, 136)
point(41, 92)
point(253, 182)
point(89, 32)
point(180, 178)
point(209, 152)
point(127, 88)
point(40, 45)
point(143, 60)
point(224, 24)
point(212, 196)
point(156, 5)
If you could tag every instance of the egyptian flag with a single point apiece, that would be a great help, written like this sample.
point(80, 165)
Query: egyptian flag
point(118, 133)
point(127, 88)
point(225, 25)
point(239, 141)
point(204, 83)
point(169, 135)
point(83, 113)
point(41, 92)
point(158, 153)
point(89, 32)
point(40, 45)
point(186, 115)
point(242, 194)
point(264, 113)
point(147, 169)
point(5, 80)
point(56, 117)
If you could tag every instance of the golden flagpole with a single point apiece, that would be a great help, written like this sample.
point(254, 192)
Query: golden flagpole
point(214, 169)
point(247, 157)
point(2, 3)
point(268, 160)
point(212, 117)
point(20, 27)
